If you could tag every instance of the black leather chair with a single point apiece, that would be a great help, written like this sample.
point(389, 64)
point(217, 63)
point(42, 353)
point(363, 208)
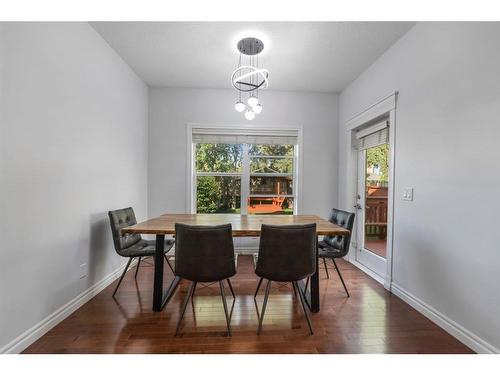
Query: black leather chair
point(287, 253)
point(204, 254)
point(132, 245)
point(337, 246)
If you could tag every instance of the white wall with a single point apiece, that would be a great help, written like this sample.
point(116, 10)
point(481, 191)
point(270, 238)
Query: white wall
point(170, 109)
point(446, 247)
point(73, 145)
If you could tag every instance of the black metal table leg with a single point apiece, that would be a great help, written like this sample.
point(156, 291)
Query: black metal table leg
point(314, 304)
point(158, 279)
point(312, 295)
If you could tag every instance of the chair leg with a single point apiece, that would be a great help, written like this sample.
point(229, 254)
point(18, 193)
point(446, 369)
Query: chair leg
point(268, 287)
point(228, 319)
point(231, 288)
point(341, 278)
point(123, 274)
point(326, 268)
point(194, 289)
point(191, 289)
point(169, 265)
point(304, 308)
point(294, 290)
point(258, 287)
point(137, 267)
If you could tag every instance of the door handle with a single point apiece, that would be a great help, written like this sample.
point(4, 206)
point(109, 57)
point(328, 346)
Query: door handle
point(357, 206)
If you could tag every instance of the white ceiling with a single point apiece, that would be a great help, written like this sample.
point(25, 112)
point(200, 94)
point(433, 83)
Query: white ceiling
point(301, 56)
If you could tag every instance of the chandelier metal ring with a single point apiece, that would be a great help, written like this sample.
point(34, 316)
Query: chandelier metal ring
point(244, 81)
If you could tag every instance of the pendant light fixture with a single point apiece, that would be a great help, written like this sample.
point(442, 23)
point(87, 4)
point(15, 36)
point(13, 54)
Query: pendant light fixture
point(248, 78)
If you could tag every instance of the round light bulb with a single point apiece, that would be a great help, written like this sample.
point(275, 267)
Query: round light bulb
point(252, 101)
point(249, 115)
point(239, 106)
point(257, 109)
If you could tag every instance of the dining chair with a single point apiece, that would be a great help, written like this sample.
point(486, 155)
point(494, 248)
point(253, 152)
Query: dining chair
point(332, 247)
point(132, 245)
point(287, 253)
point(204, 254)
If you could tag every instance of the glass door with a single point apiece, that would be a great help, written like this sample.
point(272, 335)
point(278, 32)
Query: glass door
point(372, 207)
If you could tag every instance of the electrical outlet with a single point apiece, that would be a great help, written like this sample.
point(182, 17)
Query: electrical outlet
point(83, 270)
point(408, 194)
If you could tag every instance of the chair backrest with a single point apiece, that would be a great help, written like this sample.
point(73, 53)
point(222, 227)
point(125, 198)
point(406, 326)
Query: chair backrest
point(204, 253)
point(345, 220)
point(287, 252)
point(120, 219)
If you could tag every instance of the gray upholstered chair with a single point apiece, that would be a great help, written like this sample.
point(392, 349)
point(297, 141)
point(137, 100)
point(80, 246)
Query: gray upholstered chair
point(204, 254)
point(337, 246)
point(132, 245)
point(287, 253)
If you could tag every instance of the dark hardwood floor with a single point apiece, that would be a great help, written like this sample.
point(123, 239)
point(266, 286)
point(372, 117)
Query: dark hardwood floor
point(370, 321)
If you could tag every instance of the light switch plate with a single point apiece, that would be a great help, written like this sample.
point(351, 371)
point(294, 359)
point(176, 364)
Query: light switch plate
point(408, 194)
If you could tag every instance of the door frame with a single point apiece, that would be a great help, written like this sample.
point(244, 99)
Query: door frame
point(384, 108)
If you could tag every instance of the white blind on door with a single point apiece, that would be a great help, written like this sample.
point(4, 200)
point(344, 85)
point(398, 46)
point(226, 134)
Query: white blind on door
point(372, 136)
point(251, 136)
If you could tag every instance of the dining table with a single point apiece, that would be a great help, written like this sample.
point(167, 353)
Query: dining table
point(242, 226)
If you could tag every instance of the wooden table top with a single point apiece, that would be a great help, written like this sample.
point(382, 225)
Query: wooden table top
point(243, 225)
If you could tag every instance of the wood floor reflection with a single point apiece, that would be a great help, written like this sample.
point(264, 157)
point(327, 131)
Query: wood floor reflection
point(370, 321)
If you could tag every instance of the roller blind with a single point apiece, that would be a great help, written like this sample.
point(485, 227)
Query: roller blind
point(372, 136)
point(251, 136)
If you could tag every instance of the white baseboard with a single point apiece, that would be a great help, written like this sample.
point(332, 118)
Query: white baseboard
point(41, 328)
point(453, 328)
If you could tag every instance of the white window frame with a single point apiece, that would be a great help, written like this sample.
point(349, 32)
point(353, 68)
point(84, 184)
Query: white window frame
point(245, 174)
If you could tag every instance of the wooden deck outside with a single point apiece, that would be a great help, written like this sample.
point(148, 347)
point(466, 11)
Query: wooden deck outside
point(377, 246)
point(376, 220)
point(266, 205)
point(376, 212)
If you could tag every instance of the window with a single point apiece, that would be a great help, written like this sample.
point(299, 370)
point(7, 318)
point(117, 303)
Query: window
point(218, 177)
point(244, 173)
point(271, 179)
